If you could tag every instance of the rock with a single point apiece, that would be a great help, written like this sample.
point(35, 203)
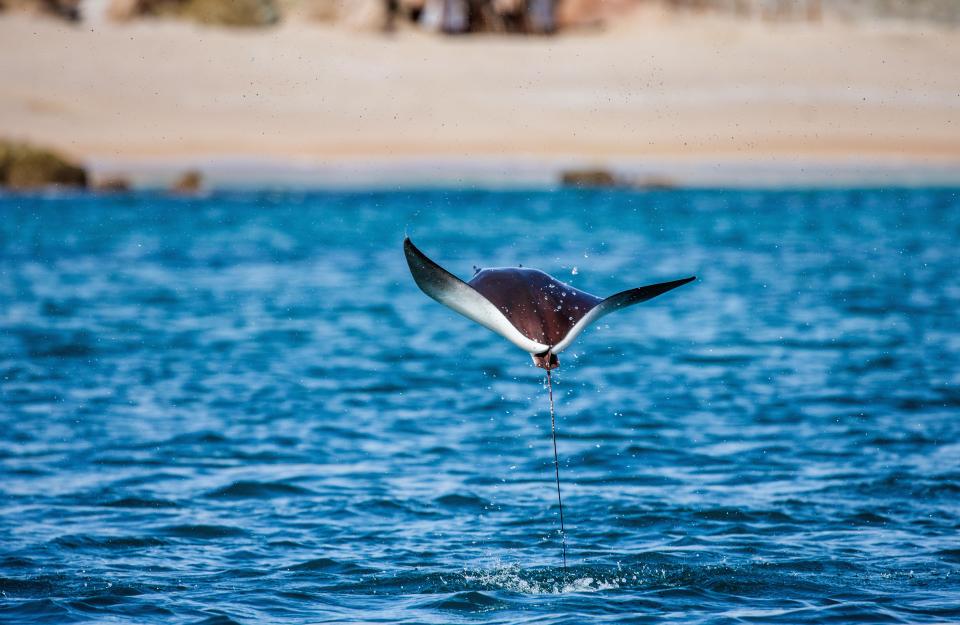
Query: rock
point(23, 166)
point(243, 13)
point(654, 183)
point(231, 12)
point(598, 177)
point(190, 183)
point(588, 178)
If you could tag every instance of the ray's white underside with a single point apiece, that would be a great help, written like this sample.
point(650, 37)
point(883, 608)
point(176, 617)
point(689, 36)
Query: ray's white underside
point(457, 295)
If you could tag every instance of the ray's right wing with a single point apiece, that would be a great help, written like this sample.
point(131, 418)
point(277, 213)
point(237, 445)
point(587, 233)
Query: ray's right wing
point(457, 295)
point(616, 302)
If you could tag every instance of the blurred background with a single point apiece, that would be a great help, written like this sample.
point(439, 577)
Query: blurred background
point(223, 399)
point(513, 92)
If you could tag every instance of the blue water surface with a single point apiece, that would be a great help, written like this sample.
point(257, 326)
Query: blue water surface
point(239, 408)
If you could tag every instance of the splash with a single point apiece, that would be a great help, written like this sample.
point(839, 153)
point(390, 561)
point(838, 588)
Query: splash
point(513, 578)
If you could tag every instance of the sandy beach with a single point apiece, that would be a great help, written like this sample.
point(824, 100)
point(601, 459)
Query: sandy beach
point(656, 93)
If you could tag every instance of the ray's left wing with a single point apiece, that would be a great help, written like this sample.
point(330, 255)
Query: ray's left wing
point(616, 302)
point(457, 295)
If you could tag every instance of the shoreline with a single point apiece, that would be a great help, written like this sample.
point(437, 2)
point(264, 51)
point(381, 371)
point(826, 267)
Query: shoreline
point(249, 173)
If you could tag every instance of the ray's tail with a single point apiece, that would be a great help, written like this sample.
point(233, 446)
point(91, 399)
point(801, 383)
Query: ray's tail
point(556, 467)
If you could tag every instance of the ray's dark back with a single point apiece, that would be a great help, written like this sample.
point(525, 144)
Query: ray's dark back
point(540, 306)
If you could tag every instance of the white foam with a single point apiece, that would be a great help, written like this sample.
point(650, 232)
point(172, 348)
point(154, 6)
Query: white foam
point(513, 578)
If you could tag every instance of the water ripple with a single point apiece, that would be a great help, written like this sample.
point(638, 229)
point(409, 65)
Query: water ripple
point(238, 408)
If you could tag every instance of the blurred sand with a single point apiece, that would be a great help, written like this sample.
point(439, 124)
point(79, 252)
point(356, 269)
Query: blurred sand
point(655, 88)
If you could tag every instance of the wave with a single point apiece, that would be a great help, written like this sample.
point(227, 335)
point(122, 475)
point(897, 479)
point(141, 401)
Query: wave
point(139, 502)
point(86, 541)
point(329, 565)
point(258, 490)
point(458, 500)
point(203, 532)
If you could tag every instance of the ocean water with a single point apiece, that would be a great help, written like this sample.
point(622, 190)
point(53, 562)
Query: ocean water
point(239, 408)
